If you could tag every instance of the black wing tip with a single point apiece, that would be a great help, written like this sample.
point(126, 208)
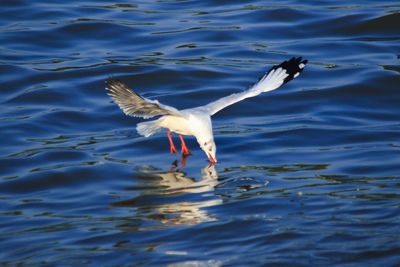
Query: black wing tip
point(293, 67)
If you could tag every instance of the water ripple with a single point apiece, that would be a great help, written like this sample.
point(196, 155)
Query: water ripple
point(307, 174)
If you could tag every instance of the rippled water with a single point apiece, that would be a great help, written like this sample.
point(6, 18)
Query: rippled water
point(307, 174)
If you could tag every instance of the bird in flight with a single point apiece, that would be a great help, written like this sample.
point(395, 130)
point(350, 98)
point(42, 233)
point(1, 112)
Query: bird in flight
point(195, 121)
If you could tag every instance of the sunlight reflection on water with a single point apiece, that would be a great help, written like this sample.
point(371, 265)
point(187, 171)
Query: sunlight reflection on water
point(307, 174)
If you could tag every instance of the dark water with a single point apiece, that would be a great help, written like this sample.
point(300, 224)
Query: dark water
point(308, 174)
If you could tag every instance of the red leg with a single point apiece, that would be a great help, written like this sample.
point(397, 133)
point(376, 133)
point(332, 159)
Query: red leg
point(172, 147)
point(184, 157)
point(173, 166)
point(184, 150)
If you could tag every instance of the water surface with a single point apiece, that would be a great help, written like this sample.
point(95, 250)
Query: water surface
point(307, 174)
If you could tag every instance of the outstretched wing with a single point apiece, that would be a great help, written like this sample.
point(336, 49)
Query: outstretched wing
point(274, 78)
point(133, 104)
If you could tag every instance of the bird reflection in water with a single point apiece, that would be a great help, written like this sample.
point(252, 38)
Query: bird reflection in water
point(175, 164)
point(171, 198)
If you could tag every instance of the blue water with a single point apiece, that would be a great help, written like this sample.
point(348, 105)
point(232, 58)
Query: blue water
point(308, 174)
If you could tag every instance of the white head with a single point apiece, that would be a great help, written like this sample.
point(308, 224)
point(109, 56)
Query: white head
point(208, 146)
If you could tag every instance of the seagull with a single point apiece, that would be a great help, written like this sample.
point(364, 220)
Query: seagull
point(195, 121)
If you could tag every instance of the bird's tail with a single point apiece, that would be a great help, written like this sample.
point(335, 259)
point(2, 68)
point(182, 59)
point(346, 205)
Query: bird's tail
point(148, 128)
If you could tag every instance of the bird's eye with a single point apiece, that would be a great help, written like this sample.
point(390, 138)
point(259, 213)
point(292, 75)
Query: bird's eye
point(205, 143)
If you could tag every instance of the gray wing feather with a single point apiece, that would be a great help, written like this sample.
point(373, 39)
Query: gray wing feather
point(133, 104)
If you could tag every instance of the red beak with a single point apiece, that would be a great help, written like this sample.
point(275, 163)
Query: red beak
point(212, 160)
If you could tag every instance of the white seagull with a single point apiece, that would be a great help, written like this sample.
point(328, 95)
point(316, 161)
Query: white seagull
point(195, 121)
